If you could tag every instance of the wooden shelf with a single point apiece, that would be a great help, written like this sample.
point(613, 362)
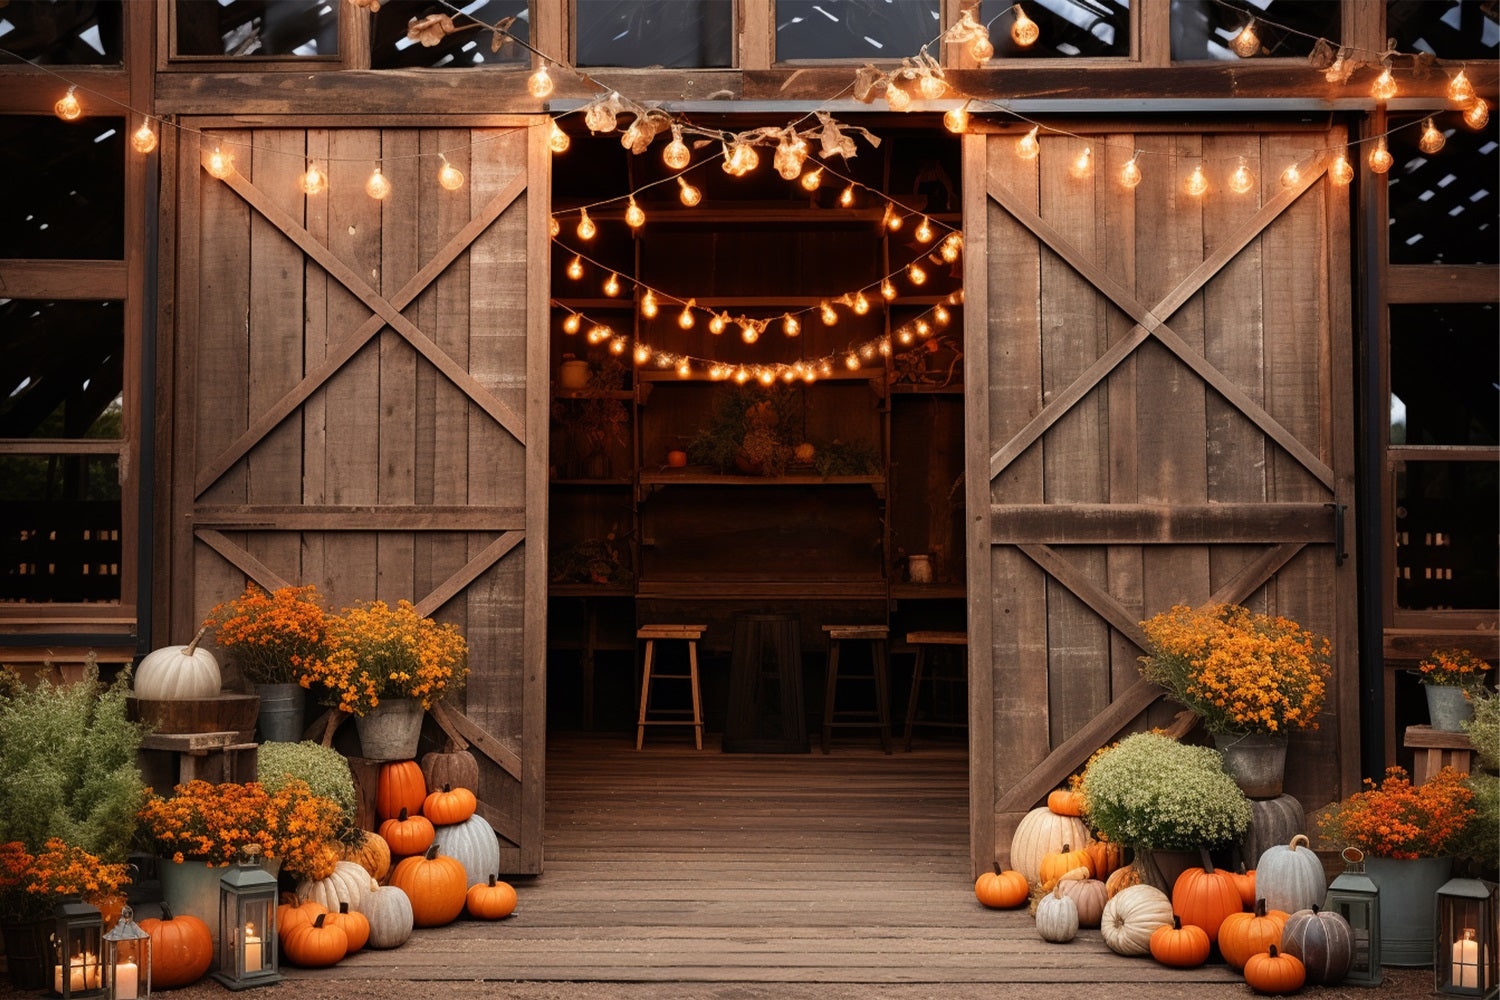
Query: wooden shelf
point(594, 483)
point(624, 303)
point(721, 589)
point(624, 394)
point(928, 591)
point(591, 589)
point(701, 477)
point(840, 374)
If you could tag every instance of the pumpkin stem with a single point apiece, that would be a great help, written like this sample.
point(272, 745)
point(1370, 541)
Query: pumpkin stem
point(403, 817)
point(1260, 907)
point(997, 867)
point(343, 907)
point(447, 787)
point(1176, 922)
point(492, 881)
point(192, 647)
point(1302, 837)
point(166, 911)
point(1273, 952)
point(318, 920)
point(432, 852)
point(1208, 862)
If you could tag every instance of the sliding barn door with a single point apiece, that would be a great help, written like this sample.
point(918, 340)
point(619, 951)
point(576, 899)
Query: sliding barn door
point(360, 402)
point(1159, 413)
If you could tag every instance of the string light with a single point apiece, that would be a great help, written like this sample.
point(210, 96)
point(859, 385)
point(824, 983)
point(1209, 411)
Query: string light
point(554, 227)
point(540, 84)
point(1380, 157)
point(749, 332)
point(923, 232)
point(829, 316)
point(940, 316)
point(1247, 42)
point(789, 325)
point(586, 227)
point(915, 274)
point(887, 290)
point(598, 334)
point(690, 195)
point(982, 49)
point(144, 139)
point(812, 180)
point(572, 323)
point(314, 181)
point(602, 116)
point(1342, 170)
point(717, 323)
point(683, 370)
point(1478, 114)
point(1242, 179)
point(1130, 173)
point(1024, 32)
point(612, 286)
point(67, 107)
point(1432, 140)
point(791, 153)
point(220, 163)
point(898, 99)
point(931, 86)
point(851, 361)
point(1197, 184)
point(449, 176)
point(575, 268)
point(676, 154)
point(1384, 87)
point(377, 186)
point(861, 304)
point(1084, 164)
point(1291, 176)
point(893, 220)
point(956, 120)
point(642, 354)
point(1027, 147)
point(740, 159)
point(557, 139)
point(649, 307)
point(1460, 90)
point(951, 246)
point(847, 198)
point(635, 216)
point(685, 318)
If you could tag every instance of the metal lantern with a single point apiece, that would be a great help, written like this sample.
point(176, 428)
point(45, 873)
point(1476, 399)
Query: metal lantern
point(1353, 896)
point(1465, 945)
point(127, 960)
point(78, 951)
point(247, 925)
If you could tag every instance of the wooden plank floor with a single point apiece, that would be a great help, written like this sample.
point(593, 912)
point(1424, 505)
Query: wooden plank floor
point(673, 865)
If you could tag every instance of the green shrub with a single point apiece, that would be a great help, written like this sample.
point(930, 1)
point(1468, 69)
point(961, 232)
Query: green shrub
point(324, 769)
point(1151, 791)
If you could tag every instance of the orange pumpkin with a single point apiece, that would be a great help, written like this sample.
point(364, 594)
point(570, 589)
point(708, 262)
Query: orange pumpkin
point(408, 834)
point(436, 884)
point(1122, 878)
point(1065, 803)
point(372, 854)
point(1275, 972)
point(1002, 890)
point(182, 948)
point(295, 913)
point(316, 945)
point(1205, 896)
point(1183, 946)
point(1056, 864)
point(1244, 934)
point(490, 901)
point(355, 925)
point(449, 805)
point(1244, 881)
point(1105, 857)
point(400, 786)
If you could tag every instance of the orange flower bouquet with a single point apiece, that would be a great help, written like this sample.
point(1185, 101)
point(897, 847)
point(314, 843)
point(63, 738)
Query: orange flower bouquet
point(377, 651)
point(212, 823)
point(276, 637)
point(1397, 819)
point(32, 884)
point(1241, 672)
point(1455, 668)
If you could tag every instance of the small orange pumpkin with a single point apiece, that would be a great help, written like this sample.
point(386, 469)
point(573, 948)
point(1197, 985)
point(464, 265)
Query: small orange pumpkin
point(1275, 972)
point(1205, 896)
point(182, 948)
point(492, 900)
point(1244, 934)
point(1122, 878)
point(1056, 864)
point(1182, 946)
point(372, 854)
point(1244, 881)
point(436, 884)
point(316, 945)
point(355, 925)
point(1105, 857)
point(1002, 890)
point(401, 785)
point(295, 913)
point(1065, 802)
point(449, 805)
point(408, 834)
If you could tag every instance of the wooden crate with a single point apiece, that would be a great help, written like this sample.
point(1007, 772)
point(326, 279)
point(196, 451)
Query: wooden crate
point(169, 759)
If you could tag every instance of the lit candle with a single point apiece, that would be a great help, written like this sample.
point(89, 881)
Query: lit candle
point(1466, 961)
point(253, 962)
point(127, 979)
point(78, 975)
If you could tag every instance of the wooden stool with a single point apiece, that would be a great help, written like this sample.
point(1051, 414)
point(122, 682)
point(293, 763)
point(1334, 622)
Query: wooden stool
point(1435, 750)
point(690, 634)
point(876, 636)
point(922, 640)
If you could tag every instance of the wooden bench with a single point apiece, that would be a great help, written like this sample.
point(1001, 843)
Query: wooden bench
point(169, 759)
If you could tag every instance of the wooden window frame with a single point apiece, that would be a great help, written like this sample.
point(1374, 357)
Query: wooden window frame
point(353, 35)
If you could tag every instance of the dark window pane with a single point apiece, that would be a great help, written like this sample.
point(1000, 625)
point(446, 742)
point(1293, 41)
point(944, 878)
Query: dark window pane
point(1449, 29)
point(1069, 28)
point(855, 29)
point(1203, 29)
point(470, 46)
point(59, 528)
point(65, 188)
point(63, 32)
point(63, 369)
point(1445, 368)
point(1442, 206)
point(681, 33)
point(258, 27)
point(1446, 541)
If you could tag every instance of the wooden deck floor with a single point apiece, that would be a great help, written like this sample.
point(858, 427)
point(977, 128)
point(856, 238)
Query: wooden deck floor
point(673, 865)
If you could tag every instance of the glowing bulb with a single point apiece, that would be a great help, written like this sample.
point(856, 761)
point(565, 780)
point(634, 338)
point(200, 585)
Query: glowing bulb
point(981, 48)
point(1460, 90)
point(1130, 173)
point(791, 153)
point(1084, 164)
point(789, 325)
point(612, 286)
point(690, 195)
point(812, 180)
point(575, 267)
point(1478, 114)
point(557, 139)
point(676, 154)
point(956, 120)
point(1380, 157)
point(741, 376)
point(1342, 170)
point(586, 227)
point(924, 328)
point(220, 164)
point(851, 362)
point(314, 181)
point(915, 274)
point(377, 186)
point(923, 232)
point(904, 336)
point(893, 221)
point(1024, 31)
point(1197, 184)
point(1242, 179)
point(887, 290)
point(572, 323)
point(766, 376)
point(685, 318)
point(450, 177)
point(683, 371)
point(1291, 176)
point(1247, 42)
point(649, 307)
point(601, 115)
point(635, 216)
point(931, 86)
point(67, 107)
point(554, 227)
point(1432, 140)
point(940, 316)
point(847, 198)
point(749, 333)
point(952, 246)
point(898, 99)
point(829, 316)
point(861, 304)
point(598, 334)
point(540, 84)
point(1027, 147)
point(885, 347)
point(1384, 87)
point(144, 140)
point(642, 354)
point(740, 159)
point(717, 324)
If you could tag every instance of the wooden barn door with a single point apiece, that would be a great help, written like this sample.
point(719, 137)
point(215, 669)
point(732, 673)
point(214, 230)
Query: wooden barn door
point(360, 403)
point(1159, 413)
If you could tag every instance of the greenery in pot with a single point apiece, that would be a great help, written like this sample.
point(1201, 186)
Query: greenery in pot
point(1478, 846)
point(750, 425)
point(275, 637)
point(1454, 668)
point(1149, 791)
point(324, 770)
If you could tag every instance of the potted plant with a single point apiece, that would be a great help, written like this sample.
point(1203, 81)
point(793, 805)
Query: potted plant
point(276, 638)
point(1478, 848)
point(1155, 794)
point(1252, 678)
point(1450, 678)
point(324, 770)
point(32, 884)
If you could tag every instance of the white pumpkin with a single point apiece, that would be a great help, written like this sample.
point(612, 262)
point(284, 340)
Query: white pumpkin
point(349, 883)
point(1040, 832)
point(473, 844)
point(1131, 916)
point(1057, 915)
point(1290, 877)
point(388, 910)
point(178, 673)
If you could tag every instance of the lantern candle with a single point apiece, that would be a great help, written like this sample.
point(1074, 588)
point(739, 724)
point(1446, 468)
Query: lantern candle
point(1466, 961)
point(127, 980)
point(83, 974)
point(253, 960)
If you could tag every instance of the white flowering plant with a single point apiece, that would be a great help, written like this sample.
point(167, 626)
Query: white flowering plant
point(1150, 791)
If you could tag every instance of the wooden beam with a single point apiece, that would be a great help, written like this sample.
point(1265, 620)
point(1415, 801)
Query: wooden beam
point(373, 517)
point(244, 561)
point(469, 572)
point(1098, 599)
point(453, 721)
point(1255, 574)
point(1160, 524)
point(63, 279)
point(1442, 283)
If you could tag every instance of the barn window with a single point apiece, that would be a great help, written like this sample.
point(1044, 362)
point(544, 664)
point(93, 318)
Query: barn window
point(1449, 29)
point(1442, 207)
point(675, 33)
point(63, 33)
point(471, 46)
point(1203, 29)
point(854, 29)
point(282, 28)
point(1068, 28)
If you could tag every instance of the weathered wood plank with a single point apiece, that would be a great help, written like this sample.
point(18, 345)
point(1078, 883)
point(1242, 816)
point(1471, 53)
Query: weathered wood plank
point(64, 279)
point(396, 420)
point(1160, 524)
point(358, 517)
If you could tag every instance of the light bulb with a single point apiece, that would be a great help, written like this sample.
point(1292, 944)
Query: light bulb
point(767, 376)
point(791, 153)
point(716, 325)
point(1130, 173)
point(1027, 147)
point(540, 84)
point(981, 48)
point(377, 186)
point(649, 307)
point(1342, 170)
point(861, 304)
point(1024, 31)
point(683, 370)
point(676, 154)
point(635, 216)
point(601, 115)
point(690, 195)
point(642, 354)
point(685, 318)
point(1291, 176)
point(904, 336)
point(557, 139)
point(1384, 87)
point(220, 163)
point(67, 106)
point(740, 159)
point(749, 332)
point(931, 86)
point(887, 290)
point(812, 180)
point(450, 177)
point(1242, 179)
point(314, 181)
point(1460, 90)
point(1084, 164)
point(923, 232)
point(612, 286)
point(956, 120)
point(898, 99)
point(144, 140)
point(741, 376)
point(851, 362)
point(892, 219)
point(940, 316)
point(554, 227)
point(789, 325)
point(1478, 114)
point(1247, 42)
point(575, 267)
point(826, 311)
point(586, 227)
point(572, 323)
point(953, 244)
point(847, 198)
point(1432, 140)
point(924, 328)
point(1380, 157)
point(598, 334)
point(885, 347)
point(915, 274)
point(1197, 184)
point(637, 137)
